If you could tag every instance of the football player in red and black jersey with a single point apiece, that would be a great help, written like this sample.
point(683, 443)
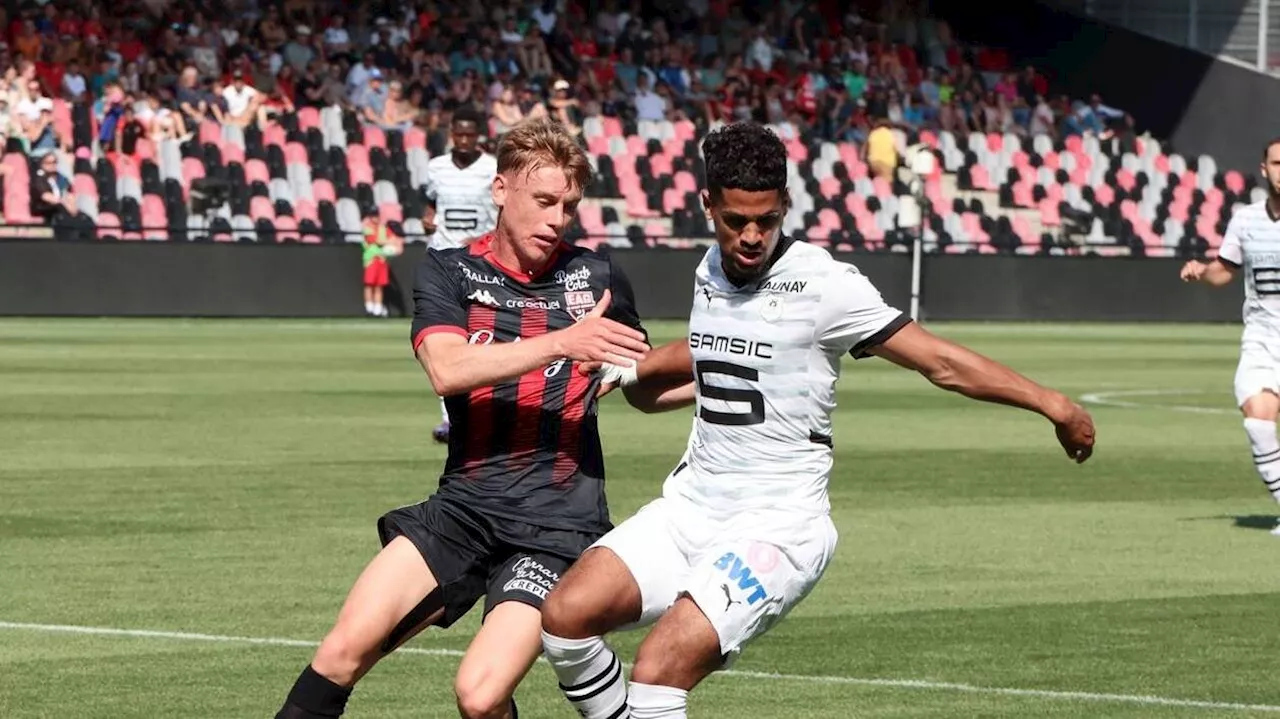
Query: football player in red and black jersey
point(499, 326)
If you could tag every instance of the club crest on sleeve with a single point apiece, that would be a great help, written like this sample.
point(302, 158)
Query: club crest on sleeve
point(771, 310)
point(579, 303)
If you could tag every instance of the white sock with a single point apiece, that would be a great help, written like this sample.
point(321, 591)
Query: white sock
point(651, 701)
point(590, 676)
point(368, 307)
point(1266, 452)
point(444, 412)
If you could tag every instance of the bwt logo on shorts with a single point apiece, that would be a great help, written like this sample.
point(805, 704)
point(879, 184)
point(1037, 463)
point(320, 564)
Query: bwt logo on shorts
point(532, 577)
point(575, 280)
point(739, 572)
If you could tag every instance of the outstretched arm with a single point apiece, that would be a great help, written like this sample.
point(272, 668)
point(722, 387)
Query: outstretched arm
point(1214, 273)
point(958, 369)
point(456, 366)
point(663, 381)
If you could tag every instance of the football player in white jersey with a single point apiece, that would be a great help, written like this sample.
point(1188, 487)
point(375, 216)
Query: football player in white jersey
point(1252, 244)
point(459, 200)
point(742, 530)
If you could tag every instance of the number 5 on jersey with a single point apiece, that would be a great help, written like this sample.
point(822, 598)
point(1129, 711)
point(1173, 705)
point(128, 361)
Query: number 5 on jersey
point(750, 397)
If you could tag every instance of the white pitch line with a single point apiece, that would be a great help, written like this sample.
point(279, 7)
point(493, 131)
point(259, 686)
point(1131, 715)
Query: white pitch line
point(1143, 699)
point(1112, 399)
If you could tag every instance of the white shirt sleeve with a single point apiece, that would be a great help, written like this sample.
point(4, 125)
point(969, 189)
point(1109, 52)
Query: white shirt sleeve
point(429, 179)
point(853, 316)
point(1232, 252)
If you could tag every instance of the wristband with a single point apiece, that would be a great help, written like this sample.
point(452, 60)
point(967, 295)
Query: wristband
point(621, 376)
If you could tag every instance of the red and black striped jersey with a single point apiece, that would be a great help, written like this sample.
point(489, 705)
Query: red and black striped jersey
point(527, 448)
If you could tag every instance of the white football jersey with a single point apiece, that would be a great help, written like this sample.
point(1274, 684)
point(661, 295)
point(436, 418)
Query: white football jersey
point(1252, 242)
point(463, 197)
point(766, 359)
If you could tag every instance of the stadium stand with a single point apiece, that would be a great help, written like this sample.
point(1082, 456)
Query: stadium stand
point(294, 135)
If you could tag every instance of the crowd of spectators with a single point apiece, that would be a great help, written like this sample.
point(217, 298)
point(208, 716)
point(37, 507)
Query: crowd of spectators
point(160, 68)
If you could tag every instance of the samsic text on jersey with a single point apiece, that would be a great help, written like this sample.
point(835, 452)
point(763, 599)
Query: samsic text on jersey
point(529, 448)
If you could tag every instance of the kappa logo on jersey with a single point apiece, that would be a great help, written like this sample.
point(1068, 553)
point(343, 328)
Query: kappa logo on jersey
point(484, 297)
point(579, 303)
point(480, 278)
point(575, 280)
point(792, 286)
point(481, 337)
point(739, 572)
point(533, 303)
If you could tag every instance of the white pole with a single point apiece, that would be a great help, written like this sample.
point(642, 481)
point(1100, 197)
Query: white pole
point(1262, 34)
point(917, 250)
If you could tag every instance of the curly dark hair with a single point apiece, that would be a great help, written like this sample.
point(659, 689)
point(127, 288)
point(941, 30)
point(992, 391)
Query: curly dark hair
point(744, 156)
point(468, 113)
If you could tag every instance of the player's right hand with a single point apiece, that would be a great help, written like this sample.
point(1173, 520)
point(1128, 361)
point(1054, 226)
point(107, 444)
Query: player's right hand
point(1193, 271)
point(1076, 433)
point(429, 227)
point(596, 338)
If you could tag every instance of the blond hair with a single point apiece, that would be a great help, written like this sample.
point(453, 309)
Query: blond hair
point(539, 142)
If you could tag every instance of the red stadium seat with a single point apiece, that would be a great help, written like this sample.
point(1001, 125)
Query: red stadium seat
point(255, 170)
point(295, 153)
point(686, 182)
point(232, 152)
point(672, 200)
point(322, 191)
point(108, 225)
point(612, 127)
point(656, 229)
point(260, 208)
point(829, 187)
point(309, 117)
point(287, 229)
point(1022, 194)
point(1104, 195)
point(661, 165)
point(391, 212)
point(274, 135)
point(1049, 216)
point(685, 131)
point(306, 210)
point(598, 145)
point(1234, 181)
point(374, 137)
point(415, 137)
point(829, 219)
point(210, 133)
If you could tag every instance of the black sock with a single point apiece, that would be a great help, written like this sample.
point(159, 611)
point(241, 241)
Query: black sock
point(515, 713)
point(314, 697)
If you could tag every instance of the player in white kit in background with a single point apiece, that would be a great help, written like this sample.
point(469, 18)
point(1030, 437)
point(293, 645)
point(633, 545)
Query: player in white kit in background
point(742, 531)
point(1252, 244)
point(459, 200)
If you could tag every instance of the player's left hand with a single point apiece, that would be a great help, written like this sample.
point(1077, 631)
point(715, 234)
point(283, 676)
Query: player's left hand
point(1075, 432)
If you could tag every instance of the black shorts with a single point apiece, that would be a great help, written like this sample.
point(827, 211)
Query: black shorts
point(473, 554)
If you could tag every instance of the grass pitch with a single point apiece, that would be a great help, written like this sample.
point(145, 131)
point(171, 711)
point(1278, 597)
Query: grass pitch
point(211, 480)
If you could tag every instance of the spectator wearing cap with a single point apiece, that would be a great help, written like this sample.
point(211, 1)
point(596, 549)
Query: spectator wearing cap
point(242, 100)
point(371, 101)
point(565, 108)
point(298, 52)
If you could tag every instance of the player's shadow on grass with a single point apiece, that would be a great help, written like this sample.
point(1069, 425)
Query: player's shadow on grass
point(1256, 521)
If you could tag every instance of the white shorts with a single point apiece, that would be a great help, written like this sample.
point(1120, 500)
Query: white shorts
point(1258, 371)
point(744, 573)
